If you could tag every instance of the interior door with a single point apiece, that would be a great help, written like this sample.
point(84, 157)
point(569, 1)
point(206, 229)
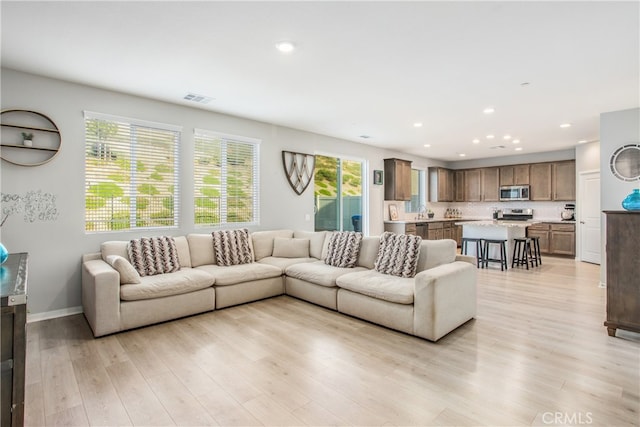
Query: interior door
point(589, 217)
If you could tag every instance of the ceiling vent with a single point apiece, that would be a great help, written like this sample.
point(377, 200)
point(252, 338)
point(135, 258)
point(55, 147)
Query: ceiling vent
point(201, 99)
point(497, 147)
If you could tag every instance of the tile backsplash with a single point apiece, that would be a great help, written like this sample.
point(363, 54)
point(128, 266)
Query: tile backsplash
point(482, 210)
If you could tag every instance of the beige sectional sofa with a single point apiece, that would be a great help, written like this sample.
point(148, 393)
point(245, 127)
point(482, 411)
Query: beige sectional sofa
point(441, 296)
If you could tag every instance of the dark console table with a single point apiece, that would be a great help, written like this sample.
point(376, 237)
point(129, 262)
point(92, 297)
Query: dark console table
point(13, 342)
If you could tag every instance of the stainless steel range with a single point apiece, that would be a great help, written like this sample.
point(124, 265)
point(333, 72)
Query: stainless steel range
point(514, 214)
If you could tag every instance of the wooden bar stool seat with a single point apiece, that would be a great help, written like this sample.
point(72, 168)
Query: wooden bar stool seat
point(503, 253)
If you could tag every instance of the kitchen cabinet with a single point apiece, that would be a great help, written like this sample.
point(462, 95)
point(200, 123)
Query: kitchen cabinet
point(564, 181)
point(441, 185)
point(540, 180)
point(397, 184)
point(490, 184)
point(472, 185)
point(514, 175)
point(435, 231)
point(459, 186)
point(623, 270)
point(400, 227)
point(555, 239)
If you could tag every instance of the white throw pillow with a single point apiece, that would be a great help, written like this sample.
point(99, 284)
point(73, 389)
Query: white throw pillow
point(128, 274)
point(291, 248)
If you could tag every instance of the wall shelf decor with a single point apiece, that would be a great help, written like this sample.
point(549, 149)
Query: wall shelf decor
point(45, 143)
point(299, 168)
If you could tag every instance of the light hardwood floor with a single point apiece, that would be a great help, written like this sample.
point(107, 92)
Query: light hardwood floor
point(537, 354)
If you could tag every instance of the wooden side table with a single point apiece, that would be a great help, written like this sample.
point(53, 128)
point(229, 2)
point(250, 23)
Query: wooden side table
point(13, 275)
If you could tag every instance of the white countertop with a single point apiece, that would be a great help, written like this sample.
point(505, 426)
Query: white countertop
point(521, 224)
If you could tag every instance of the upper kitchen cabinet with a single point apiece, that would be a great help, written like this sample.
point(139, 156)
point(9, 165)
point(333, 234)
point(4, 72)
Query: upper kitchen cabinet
point(441, 185)
point(514, 175)
point(540, 180)
point(490, 184)
point(564, 180)
point(459, 186)
point(472, 185)
point(397, 185)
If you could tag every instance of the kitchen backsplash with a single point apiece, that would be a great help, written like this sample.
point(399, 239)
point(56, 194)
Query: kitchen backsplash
point(482, 210)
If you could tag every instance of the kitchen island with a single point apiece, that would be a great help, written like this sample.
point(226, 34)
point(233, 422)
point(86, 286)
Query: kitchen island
point(495, 230)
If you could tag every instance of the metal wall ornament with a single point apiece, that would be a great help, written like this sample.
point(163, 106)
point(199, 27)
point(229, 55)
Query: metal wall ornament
point(299, 168)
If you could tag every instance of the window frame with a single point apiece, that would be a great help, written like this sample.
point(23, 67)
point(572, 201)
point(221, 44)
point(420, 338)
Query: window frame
point(422, 191)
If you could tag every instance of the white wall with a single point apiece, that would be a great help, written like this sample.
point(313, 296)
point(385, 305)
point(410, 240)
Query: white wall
point(617, 128)
point(56, 248)
point(548, 156)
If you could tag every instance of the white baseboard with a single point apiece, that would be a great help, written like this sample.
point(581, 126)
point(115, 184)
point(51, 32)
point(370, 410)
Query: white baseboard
point(37, 317)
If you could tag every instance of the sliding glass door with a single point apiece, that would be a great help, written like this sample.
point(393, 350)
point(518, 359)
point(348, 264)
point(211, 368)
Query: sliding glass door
point(338, 189)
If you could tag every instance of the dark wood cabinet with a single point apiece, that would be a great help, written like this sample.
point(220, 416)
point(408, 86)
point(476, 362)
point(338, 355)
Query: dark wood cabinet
point(564, 181)
point(555, 239)
point(514, 175)
point(459, 186)
point(13, 339)
point(441, 185)
point(623, 271)
point(490, 184)
point(472, 185)
point(397, 184)
point(540, 179)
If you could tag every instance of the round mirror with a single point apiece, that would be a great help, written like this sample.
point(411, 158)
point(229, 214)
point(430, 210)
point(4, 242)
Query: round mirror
point(625, 162)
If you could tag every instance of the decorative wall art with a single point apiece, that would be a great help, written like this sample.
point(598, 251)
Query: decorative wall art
point(298, 167)
point(393, 212)
point(378, 177)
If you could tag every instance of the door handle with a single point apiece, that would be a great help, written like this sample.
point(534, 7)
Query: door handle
point(581, 222)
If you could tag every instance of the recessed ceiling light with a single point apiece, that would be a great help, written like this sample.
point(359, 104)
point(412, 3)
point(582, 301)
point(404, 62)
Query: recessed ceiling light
point(582, 141)
point(515, 141)
point(461, 154)
point(565, 125)
point(285, 46)
point(506, 137)
point(417, 125)
point(490, 136)
point(489, 110)
point(476, 141)
point(518, 148)
point(427, 145)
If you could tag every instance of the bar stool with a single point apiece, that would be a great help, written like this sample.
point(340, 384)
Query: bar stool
point(479, 251)
point(535, 246)
point(503, 253)
point(522, 253)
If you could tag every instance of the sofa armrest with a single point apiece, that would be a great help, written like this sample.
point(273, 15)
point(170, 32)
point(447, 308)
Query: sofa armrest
point(467, 258)
point(445, 298)
point(101, 296)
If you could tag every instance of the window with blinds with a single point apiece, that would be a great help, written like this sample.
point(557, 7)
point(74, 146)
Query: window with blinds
point(131, 173)
point(226, 186)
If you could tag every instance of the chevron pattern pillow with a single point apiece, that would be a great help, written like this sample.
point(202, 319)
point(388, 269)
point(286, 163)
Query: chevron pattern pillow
point(343, 249)
point(398, 254)
point(232, 247)
point(154, 255)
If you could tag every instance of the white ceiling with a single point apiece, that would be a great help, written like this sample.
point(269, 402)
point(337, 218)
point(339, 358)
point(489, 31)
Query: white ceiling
point(360, 68)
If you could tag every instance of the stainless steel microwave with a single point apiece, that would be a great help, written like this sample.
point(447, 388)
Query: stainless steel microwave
point(514, 192)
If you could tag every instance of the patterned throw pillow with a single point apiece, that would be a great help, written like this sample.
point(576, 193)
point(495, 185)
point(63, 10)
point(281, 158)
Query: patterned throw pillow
point(232, 247)
point(154, 255)
point(398, 254)
point(343, 249)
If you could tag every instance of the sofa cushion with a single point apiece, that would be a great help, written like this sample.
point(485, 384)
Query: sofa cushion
point(290, 248)
point(368, 252)
point(263, 242)
point(231, 275)
point(319, 273)
point(120, 248)
point(381, 286)
point(201, 249)
point(398, 254)
point(316, 241)
point(163, 285)
point(183, 251)
point(154, 255)
point(283, 263)
point(232, 247)
point(343, 249)
point(436, 252)
point(128, 274)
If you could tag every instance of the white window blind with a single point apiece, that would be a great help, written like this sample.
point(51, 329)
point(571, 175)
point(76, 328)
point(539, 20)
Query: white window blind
point(226, 179)
point(131, 173)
